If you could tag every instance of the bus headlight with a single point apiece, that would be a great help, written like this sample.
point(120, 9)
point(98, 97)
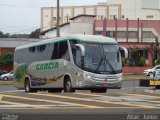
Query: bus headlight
point(120, 78)
point(87, 76)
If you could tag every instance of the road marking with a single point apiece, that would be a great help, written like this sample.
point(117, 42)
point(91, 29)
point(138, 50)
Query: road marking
point(92, 100)
point(51, 101)
point(95, 95)
point(12, 91)
point(1, 98)
point(22, 108)
point(22, 104)
point(151, 96)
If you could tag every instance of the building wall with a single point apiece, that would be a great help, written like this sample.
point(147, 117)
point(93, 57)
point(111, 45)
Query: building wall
point(121, 9)
point(65, 30)
point(143, 9)
point(49, 14)
point(152, 4)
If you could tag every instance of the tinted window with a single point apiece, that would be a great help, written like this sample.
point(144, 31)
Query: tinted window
point(63, 51)
point(55, 51)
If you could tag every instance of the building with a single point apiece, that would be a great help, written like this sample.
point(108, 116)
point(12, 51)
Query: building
point(9, 44)
point(120, 9)
point(142, 9)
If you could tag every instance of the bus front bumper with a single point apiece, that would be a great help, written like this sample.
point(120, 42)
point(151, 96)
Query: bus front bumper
point(102, 83)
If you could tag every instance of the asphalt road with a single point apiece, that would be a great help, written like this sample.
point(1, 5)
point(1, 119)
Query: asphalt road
point(121, 104)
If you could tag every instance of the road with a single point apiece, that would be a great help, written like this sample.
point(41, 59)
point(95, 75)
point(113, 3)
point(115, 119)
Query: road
point(115, 104)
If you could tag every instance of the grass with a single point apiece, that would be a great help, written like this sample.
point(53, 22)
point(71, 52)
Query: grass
point(6, 82)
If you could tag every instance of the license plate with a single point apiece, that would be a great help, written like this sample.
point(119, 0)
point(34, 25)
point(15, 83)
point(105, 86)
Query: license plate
point(105, 85)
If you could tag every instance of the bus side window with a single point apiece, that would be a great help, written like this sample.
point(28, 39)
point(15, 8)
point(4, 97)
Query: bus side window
point(78, 58)
point(63, 51)
point(55, 51)
point(73, 48)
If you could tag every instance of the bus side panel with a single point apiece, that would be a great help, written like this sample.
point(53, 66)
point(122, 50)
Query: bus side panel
point(47, 74)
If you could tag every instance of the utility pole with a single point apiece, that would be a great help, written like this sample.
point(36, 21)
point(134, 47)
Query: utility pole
point(58, 29)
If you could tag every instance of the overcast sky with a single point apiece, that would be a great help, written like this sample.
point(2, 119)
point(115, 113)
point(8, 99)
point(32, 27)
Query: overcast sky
point(23, 16)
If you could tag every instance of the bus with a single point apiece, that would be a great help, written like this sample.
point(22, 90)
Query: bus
point(68, 63)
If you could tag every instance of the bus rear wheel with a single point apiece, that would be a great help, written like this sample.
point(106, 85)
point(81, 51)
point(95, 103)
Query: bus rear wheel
point(99, 90)
point(68, 85)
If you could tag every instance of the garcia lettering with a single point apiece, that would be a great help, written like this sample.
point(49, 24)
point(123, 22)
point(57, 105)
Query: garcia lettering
point(46, 66)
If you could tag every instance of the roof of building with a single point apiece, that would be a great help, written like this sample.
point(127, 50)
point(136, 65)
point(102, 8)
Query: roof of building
point(15, 42)
point(42, 33)
point(82, 15)
point(67, 23)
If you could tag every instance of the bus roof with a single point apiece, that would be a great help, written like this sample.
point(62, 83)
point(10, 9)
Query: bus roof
point(84, 38)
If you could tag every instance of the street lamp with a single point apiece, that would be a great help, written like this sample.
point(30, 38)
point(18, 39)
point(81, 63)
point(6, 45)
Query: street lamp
point(58, 30)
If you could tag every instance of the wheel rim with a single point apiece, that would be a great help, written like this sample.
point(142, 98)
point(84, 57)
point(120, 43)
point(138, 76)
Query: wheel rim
point(27, 86)
point(68, 86)
point(5, 78)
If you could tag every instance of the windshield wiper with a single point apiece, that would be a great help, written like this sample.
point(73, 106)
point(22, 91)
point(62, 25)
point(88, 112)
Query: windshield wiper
point(99, 64)
point(110, 65)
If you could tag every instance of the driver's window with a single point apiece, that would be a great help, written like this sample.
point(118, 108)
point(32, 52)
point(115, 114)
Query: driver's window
point(78, 58)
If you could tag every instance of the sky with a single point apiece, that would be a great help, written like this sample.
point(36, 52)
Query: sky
point(23, 16)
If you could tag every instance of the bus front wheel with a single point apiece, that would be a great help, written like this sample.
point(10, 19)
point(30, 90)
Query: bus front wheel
point(68, 85)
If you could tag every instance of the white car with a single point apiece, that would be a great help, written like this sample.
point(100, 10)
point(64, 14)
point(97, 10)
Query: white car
point(149, 72)
point(7, 76)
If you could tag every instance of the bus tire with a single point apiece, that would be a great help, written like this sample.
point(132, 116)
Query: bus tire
point(68, 85)
point(28, 87)
point(157, 86)
point(99, 90)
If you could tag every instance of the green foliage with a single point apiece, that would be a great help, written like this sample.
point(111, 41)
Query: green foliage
point(123, 61)
point(141, 61)
point(135, 58)
point(131, 63)
point(6, 58)
point(35, 34)
point(158, 62)
point(2, 35)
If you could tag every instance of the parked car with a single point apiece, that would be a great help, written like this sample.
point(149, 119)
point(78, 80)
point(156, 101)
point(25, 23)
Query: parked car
point(2, 72)
point(7, 76)
point(149, 72)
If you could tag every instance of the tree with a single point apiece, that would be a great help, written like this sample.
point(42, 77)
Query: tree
point(155, 47)
point(35, 34)
point(6, 59)
point(2, 35)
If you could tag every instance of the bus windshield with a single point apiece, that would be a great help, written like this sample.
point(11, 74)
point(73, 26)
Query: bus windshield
point(102, 58)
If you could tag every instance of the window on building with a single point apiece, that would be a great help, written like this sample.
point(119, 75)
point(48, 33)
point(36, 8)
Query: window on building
point(111, 33)
point(66, 18)
point(149, 16)
point(99, 32)
point(143, 53)
point(99, 17)
point(122, 16)
point(148, 34)
point(113, 17)
point(132, 34)
point(121, 34)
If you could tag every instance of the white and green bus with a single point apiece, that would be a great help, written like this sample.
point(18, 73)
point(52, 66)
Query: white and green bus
point(69, 63)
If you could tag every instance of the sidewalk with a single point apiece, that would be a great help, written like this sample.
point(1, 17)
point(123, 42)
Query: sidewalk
point(135, 76)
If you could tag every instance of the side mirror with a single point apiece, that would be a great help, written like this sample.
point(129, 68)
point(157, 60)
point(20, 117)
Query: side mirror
point(82, 49)
point(125, 51)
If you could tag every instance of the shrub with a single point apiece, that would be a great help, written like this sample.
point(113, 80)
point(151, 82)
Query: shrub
point(141, 61)
point(158, 62)
point(123, 61)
